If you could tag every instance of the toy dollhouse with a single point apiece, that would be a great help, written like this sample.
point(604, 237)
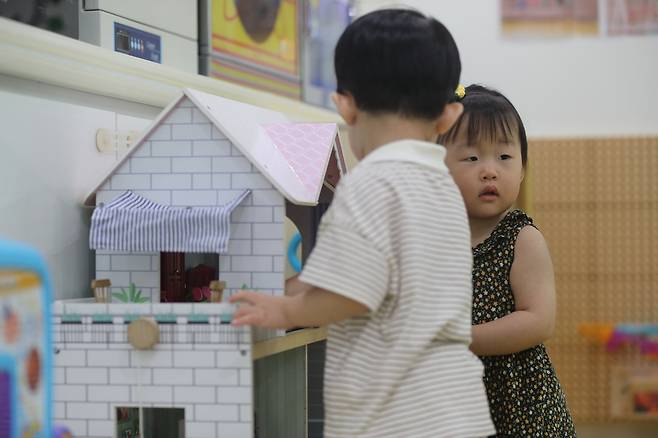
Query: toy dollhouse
point(210, 181)
point(201, 197)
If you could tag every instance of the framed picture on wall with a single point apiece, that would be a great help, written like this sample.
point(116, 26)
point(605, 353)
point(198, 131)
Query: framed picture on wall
point(257, 43)
point(325, 21)
point(635, 393)
point(549, 18)
point(632, 17)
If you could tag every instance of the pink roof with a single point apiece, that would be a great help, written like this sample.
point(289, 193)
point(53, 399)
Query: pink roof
point(306, 147)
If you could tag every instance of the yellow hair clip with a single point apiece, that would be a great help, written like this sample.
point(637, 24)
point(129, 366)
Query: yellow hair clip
point(460, 92)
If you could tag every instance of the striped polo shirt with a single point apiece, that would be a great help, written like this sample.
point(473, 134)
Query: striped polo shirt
point(396, 239)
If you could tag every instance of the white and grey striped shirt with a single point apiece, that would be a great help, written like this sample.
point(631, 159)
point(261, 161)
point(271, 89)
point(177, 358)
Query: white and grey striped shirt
point(396, 239)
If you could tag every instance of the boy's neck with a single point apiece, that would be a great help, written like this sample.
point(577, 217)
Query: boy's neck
point(374, 131)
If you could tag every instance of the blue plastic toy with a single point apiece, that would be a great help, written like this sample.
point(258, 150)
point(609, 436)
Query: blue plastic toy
point(25, 343)
point(292, 252)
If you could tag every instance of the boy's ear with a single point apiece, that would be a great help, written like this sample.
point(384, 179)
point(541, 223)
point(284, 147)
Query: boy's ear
point(449, 116)
point(346, 106)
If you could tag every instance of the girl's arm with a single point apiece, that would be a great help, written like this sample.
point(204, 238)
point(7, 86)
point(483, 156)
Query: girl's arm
point(533, 286)
point(309, 307)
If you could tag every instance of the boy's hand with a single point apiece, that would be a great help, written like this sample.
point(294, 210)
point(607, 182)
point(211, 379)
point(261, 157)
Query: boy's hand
point(311, 307)
point(260, 310)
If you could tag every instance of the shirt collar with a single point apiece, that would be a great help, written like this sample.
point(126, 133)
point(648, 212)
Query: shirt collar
point(415, 151)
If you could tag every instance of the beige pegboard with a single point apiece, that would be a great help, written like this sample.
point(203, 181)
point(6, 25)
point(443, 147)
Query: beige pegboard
point(627, 299)
point(625, 237)
point(571, 228)
point(573, 305)
point(568, 182)
point(625, 171)
point(596, 201)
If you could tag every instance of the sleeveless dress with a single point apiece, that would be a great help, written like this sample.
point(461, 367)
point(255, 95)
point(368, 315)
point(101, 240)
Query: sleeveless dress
point(525, 397)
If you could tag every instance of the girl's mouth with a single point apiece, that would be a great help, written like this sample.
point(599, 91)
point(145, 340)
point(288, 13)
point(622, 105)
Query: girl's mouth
point(489, 193)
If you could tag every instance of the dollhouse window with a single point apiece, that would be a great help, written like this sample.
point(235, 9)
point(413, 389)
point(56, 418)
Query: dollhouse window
point(158, 422)
point(188, 239)
point(184, 276)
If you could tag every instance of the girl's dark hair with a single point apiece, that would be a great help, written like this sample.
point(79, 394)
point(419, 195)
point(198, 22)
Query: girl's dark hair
point(489, 116)
point(398, 61)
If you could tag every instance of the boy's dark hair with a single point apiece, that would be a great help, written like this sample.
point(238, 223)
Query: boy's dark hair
point(490, 116)
point(398, 61)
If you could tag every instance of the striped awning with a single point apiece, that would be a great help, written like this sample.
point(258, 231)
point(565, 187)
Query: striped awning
point(133, 223)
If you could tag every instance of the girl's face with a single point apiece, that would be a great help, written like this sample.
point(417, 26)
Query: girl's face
point(488, 174)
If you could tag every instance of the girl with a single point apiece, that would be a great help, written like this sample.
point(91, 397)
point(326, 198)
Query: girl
point(513, 284)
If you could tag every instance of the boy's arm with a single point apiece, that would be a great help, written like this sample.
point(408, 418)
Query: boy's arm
point(309, 307)
point(294, 286)
point(533, 286)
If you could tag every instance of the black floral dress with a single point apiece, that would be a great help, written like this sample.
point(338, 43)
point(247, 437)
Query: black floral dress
point(525, 397)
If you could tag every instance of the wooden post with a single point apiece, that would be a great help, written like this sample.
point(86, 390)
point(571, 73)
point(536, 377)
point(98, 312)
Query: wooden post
point(101, 289)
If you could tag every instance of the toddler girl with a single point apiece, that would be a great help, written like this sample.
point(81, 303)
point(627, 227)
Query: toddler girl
point(513, 282)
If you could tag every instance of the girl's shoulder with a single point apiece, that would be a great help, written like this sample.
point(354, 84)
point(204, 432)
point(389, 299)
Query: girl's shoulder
point(516, 220)
point(506, 232)
point(529, 240)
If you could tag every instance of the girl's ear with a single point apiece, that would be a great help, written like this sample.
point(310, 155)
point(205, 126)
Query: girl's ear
point(346, 106)
point(448, 117)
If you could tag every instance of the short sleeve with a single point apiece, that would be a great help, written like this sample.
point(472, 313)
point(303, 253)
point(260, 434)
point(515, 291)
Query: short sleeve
point(344, 260)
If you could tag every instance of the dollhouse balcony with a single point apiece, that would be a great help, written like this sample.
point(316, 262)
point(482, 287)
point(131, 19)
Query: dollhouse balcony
point(199, 359)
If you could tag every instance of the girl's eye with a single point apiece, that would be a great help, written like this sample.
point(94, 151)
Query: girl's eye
point(471, 158)
point(505, 157)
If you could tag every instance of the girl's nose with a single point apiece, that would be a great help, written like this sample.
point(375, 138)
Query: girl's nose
point(488, 173)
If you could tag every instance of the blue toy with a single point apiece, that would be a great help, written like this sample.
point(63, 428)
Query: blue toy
point(25, 344)
point(292, 252)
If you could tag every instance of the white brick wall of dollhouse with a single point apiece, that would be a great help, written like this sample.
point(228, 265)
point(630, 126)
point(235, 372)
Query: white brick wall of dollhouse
point(97, 371)
point(186, 161)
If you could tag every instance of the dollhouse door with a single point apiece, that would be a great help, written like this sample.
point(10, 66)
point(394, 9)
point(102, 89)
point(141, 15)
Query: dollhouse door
point(172, 277)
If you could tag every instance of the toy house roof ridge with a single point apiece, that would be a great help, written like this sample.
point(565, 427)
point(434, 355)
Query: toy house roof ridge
point(292, 156)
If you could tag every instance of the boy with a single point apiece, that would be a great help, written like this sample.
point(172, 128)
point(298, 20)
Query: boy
point(391, 269)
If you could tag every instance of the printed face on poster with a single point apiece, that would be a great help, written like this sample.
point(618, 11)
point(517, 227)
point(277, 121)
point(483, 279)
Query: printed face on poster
point(260, 33)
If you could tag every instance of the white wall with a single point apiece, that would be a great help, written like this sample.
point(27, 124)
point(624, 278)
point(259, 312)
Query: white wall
point(577, 86)
point(48, 163)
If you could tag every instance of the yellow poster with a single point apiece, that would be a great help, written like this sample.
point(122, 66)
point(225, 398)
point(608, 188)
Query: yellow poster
point(549, 18)
point(260, 33)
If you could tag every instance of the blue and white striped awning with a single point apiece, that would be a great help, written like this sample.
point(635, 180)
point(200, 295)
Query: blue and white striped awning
point(133, 223)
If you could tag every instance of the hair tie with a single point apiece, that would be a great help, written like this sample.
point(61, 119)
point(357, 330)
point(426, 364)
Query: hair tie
point(460, 92)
